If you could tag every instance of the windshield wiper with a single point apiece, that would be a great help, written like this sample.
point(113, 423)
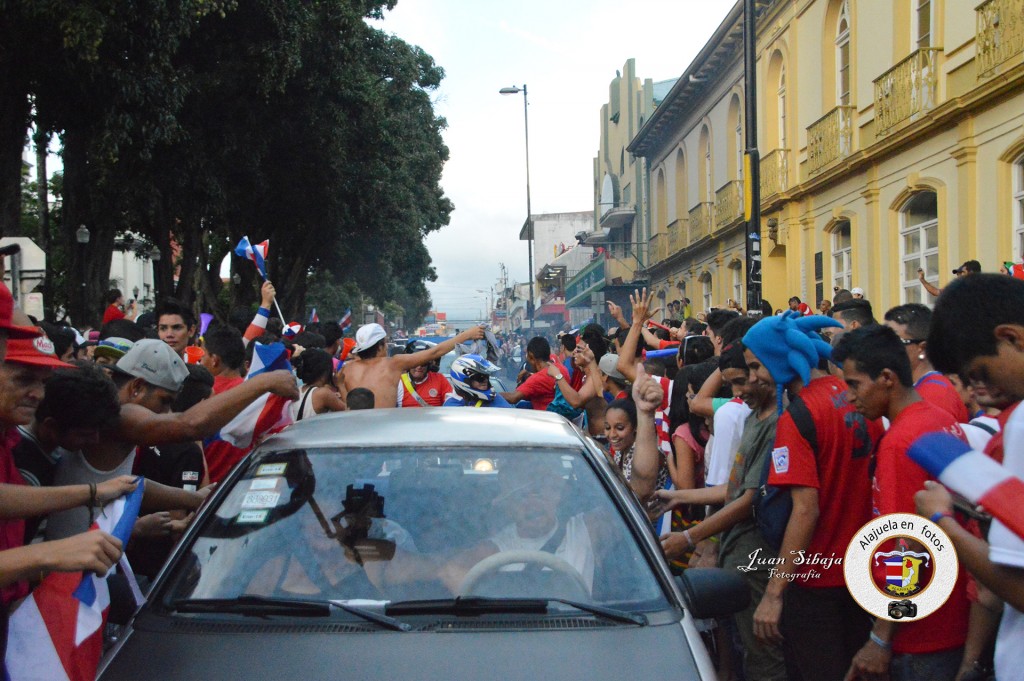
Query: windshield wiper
point(266, 606)
point(370, 615)
point(603, 611)
point(258, 606)
point(482, 605)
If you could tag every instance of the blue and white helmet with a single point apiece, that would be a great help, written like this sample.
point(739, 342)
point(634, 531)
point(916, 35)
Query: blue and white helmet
point(469, 366)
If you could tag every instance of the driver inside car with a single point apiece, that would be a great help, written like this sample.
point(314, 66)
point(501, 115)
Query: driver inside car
point(531, 489)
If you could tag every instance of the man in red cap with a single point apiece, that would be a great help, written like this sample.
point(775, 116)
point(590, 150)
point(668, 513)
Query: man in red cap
point(21, 387)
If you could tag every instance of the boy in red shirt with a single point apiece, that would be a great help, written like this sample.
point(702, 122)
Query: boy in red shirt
point(822, 454)
point(878, 374)
point(539, 388)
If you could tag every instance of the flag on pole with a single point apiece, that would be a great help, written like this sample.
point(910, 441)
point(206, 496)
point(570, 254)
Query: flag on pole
point(268, 413)
point(346, 320)
point(974, 475)
point(291, 330)
point(313, 317)
point(57, 631)
point(257, 253)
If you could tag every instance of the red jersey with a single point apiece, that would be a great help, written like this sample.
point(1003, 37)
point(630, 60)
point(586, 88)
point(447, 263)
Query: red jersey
point(112, 313)
point(12, 530)
point(897, 479)
point(432, 390)
point(221, 457)
point(822, 442)
point(539, 389)
point(935, 388)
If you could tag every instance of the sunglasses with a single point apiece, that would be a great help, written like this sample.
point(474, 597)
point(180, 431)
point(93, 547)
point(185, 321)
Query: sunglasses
point(912, 341)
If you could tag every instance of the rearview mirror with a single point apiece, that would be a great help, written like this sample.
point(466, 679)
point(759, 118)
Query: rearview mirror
point(713, 592)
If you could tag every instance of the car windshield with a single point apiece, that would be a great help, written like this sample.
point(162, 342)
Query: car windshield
point(394, 526)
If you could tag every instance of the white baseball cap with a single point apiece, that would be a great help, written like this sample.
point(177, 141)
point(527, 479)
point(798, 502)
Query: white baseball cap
point(156, 363)
point(367, 336)
point(857, 291)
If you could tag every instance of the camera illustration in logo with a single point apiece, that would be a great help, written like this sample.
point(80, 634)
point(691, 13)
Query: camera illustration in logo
point(900, 609)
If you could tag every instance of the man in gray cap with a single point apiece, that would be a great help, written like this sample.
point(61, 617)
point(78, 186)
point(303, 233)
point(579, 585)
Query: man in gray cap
point(148, 378)
point(380, 373)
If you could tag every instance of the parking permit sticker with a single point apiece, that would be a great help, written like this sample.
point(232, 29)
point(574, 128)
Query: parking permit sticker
point(263, 483)
point(260, 499)
point(252, 517)
point(272, 469)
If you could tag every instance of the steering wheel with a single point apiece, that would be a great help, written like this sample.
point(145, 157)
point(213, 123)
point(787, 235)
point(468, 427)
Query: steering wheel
point(495, 562)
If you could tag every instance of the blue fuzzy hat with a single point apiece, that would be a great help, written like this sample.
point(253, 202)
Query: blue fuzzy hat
point(789, 347)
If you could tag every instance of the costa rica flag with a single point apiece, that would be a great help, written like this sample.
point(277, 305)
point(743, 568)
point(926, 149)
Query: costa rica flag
point(57, 631)
point(346, 320)
point(255, 252)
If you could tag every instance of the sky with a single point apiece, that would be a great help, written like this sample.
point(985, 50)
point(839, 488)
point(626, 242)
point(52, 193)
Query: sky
point(566, 52)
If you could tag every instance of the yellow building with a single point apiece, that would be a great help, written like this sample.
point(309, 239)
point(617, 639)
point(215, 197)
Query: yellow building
point(891, 135)
point(622, 223)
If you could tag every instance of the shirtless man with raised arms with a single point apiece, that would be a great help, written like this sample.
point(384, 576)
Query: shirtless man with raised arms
point(380, 373)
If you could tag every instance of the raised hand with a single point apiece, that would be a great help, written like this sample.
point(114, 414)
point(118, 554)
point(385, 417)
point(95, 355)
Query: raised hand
point(647, 392)
point(642, 302)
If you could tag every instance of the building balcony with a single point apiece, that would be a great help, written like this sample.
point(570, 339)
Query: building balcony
point(906, 90)
point(774, 173)
point(729, 204)
point(1000, 34)
point(678, 235)
point(701, 219)
point(659, 247)
point(830, 138)
point(617, 216)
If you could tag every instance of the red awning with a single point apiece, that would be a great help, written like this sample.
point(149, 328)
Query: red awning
point(552, 310)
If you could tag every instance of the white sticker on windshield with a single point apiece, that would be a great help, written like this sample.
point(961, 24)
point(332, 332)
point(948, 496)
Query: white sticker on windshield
point(260, 500)
point(264, 483)
point(272, 469)
point(253, 516)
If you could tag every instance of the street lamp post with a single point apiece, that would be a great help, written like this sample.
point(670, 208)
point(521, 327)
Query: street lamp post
point(154, 256)
point(529, 214)
point(82, 236)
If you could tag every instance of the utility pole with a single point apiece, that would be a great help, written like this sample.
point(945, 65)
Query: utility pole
point(751, 158)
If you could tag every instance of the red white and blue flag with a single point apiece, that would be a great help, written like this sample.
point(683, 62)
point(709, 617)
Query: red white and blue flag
point(268, 413)
point(255, 252)
point(313, 316)
point(894, 571)
point(56, 633)
point(346, 320)
point(291, 330)
point(976, 476)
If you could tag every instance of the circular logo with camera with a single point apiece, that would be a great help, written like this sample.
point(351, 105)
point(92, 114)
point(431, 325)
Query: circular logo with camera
point(900, 567)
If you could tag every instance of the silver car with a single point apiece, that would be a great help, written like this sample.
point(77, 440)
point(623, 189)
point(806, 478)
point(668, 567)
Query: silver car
point(423, 544)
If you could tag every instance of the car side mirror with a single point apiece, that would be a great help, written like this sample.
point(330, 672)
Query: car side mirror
point(713, 592)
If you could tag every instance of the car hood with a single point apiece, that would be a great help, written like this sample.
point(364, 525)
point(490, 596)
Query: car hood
point(570, 648)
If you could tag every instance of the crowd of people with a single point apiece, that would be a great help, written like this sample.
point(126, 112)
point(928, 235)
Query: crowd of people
point(706, 418)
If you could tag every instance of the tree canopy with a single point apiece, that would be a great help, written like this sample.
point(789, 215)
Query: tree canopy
point(196, 122)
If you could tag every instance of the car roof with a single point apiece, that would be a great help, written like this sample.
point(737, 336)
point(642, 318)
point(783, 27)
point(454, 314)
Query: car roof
point(429, 427)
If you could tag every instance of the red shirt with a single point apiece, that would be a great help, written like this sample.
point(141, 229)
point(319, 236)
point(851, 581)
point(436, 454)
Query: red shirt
point(897, 479)
point(822, 442)
point(433, 389)
point(539, 389)
point(12, 530)
point(221, 457)
point(111, 313)
point(935, 388)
